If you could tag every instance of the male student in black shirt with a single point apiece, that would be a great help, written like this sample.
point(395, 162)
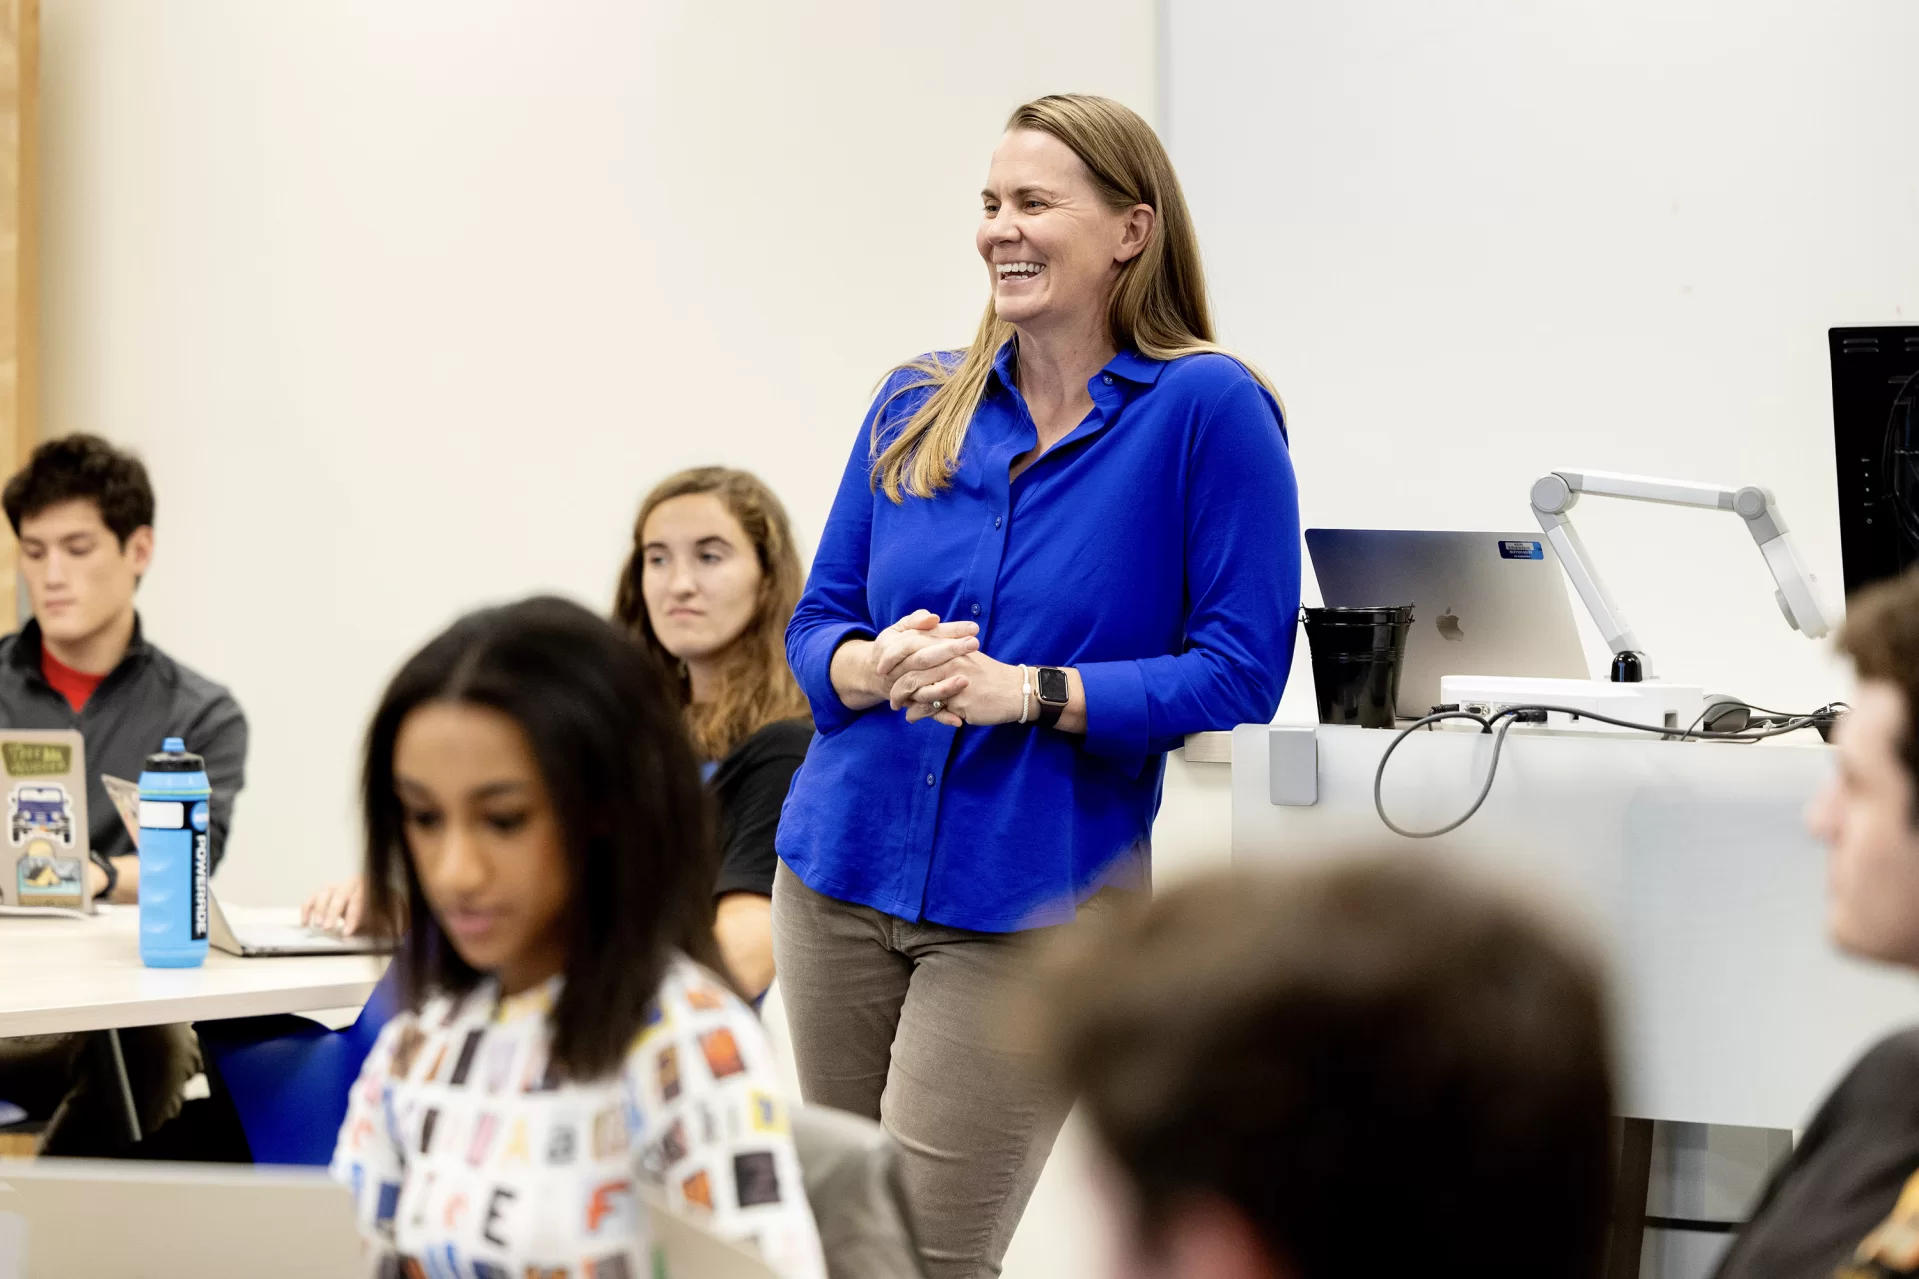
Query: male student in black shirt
point(83, 514)
point(1846, 1204)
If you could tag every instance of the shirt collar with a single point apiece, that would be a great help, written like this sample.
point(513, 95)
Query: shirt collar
point(26, 651)
point(1130, 365)
point(1135, 367)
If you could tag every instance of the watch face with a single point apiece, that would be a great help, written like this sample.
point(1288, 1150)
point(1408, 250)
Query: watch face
point(1052, 685)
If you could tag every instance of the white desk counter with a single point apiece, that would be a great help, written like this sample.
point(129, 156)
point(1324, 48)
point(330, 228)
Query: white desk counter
point(1689, 862)
point(59, 975)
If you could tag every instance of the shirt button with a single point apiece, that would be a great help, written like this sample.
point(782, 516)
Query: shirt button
point(996, 520)
point(1108, 379)
point(929, 779)
point(975, 610)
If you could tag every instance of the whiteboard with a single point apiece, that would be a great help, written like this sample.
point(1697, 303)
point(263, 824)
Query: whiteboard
point(1473, 241)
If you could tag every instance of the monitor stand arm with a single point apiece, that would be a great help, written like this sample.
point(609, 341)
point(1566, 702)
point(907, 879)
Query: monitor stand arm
point(1554, 495)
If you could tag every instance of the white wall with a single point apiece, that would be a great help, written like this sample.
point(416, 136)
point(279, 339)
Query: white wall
point(1477, 240)
point(407, 303)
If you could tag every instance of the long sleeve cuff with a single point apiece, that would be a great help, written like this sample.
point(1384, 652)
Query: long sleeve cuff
point(1116, 716)
point(813, 668)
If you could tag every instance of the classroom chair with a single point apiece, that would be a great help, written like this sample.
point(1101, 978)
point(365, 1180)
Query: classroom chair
point(289, 1077)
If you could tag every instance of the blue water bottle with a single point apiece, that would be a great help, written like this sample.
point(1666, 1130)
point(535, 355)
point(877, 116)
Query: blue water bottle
point(173, 858)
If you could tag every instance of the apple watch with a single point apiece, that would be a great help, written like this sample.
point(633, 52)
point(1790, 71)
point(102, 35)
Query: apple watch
point(1050, 683)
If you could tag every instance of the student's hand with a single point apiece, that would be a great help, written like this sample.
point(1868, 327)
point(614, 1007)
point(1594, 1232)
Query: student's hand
point(96, 881)
point(338, 908)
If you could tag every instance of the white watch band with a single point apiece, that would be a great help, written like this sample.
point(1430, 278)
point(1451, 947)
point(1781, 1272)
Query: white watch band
point(1025, 694)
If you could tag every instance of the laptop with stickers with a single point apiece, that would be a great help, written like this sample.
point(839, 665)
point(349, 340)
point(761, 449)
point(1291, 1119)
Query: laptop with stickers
point(1483, 603)
point(43, 864)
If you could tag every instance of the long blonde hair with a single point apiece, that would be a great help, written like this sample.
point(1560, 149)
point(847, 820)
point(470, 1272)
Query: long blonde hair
point(755, 686)
point(1158, 306)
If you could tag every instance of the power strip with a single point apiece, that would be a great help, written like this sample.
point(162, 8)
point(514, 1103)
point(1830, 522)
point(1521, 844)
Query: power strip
point(1677, 706)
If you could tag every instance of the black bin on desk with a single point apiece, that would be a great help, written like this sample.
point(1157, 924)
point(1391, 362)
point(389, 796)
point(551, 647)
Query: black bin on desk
point(1357, 656)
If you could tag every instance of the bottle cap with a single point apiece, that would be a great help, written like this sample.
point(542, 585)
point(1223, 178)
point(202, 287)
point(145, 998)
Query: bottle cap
point(173, 757)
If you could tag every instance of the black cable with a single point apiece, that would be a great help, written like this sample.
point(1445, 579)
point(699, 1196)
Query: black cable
point(1511, 715)
point(1767, 716)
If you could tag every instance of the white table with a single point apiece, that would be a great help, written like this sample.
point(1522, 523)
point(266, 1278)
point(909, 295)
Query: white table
point(60, 975)
point(1688, 862)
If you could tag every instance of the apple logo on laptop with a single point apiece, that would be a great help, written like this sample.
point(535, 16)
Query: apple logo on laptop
point(1448, 625)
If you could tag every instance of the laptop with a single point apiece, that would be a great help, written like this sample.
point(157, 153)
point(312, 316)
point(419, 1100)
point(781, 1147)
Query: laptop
point(1483, 603)
point(253, 932)
point(215, 1222)
point(247, 932)
point(43, 864)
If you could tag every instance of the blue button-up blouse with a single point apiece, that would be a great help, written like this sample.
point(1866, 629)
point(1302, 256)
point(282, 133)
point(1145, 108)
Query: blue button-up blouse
point(1155, 548)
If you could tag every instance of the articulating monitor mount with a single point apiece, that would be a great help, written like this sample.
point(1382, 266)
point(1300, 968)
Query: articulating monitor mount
point(1554, 495)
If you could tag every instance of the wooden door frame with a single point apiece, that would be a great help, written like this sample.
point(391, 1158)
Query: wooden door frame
point(19, 259)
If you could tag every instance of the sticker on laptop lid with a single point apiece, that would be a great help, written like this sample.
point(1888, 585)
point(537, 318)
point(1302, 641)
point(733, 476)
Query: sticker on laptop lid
point(48, 879)
point(36, 759)
point(1521, 551)
point(43, 809)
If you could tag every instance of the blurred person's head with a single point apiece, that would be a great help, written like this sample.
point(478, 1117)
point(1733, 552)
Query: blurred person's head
point(709, 587)
point(1866, 812)
point(1342, 1072)
point(83, 513)
point(533, 809)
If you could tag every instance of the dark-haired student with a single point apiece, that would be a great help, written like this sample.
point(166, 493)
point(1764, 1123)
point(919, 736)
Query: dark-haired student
point(535, 816)
point(83, 512)
point(1845, 1205)
point(1338, 1073)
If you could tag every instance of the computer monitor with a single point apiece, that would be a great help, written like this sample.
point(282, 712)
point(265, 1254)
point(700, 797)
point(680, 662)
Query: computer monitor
point(1875, 435)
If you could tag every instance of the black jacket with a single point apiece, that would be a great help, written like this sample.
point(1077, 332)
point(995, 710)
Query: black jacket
point(146, 698)
point(1843, 1177)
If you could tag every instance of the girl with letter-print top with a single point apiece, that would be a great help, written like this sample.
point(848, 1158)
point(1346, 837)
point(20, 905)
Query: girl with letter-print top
point(534, 813)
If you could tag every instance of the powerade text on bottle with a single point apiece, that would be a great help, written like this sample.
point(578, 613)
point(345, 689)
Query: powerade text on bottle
point(173, 858)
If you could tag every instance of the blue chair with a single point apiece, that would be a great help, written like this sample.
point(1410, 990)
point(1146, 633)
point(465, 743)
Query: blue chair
point(289, 1083)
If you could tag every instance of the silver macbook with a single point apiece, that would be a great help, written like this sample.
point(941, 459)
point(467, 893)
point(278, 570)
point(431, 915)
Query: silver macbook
point(258, 931)
point(1483, 603)
point(164, 1220)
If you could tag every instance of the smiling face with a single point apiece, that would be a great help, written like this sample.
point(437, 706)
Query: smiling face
point(485, 842)
point(1053, 247)
point(1865, 815)
point(80, 578)
point(700, 577)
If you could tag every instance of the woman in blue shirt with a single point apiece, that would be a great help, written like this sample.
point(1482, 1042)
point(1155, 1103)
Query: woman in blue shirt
point(1052, 556)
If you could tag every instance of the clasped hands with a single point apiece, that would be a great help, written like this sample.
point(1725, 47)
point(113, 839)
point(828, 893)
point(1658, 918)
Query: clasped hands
point(923, 662)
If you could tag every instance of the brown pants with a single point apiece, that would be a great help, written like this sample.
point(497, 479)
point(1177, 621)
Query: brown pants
point(68, 1081)
point(906, 1023)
